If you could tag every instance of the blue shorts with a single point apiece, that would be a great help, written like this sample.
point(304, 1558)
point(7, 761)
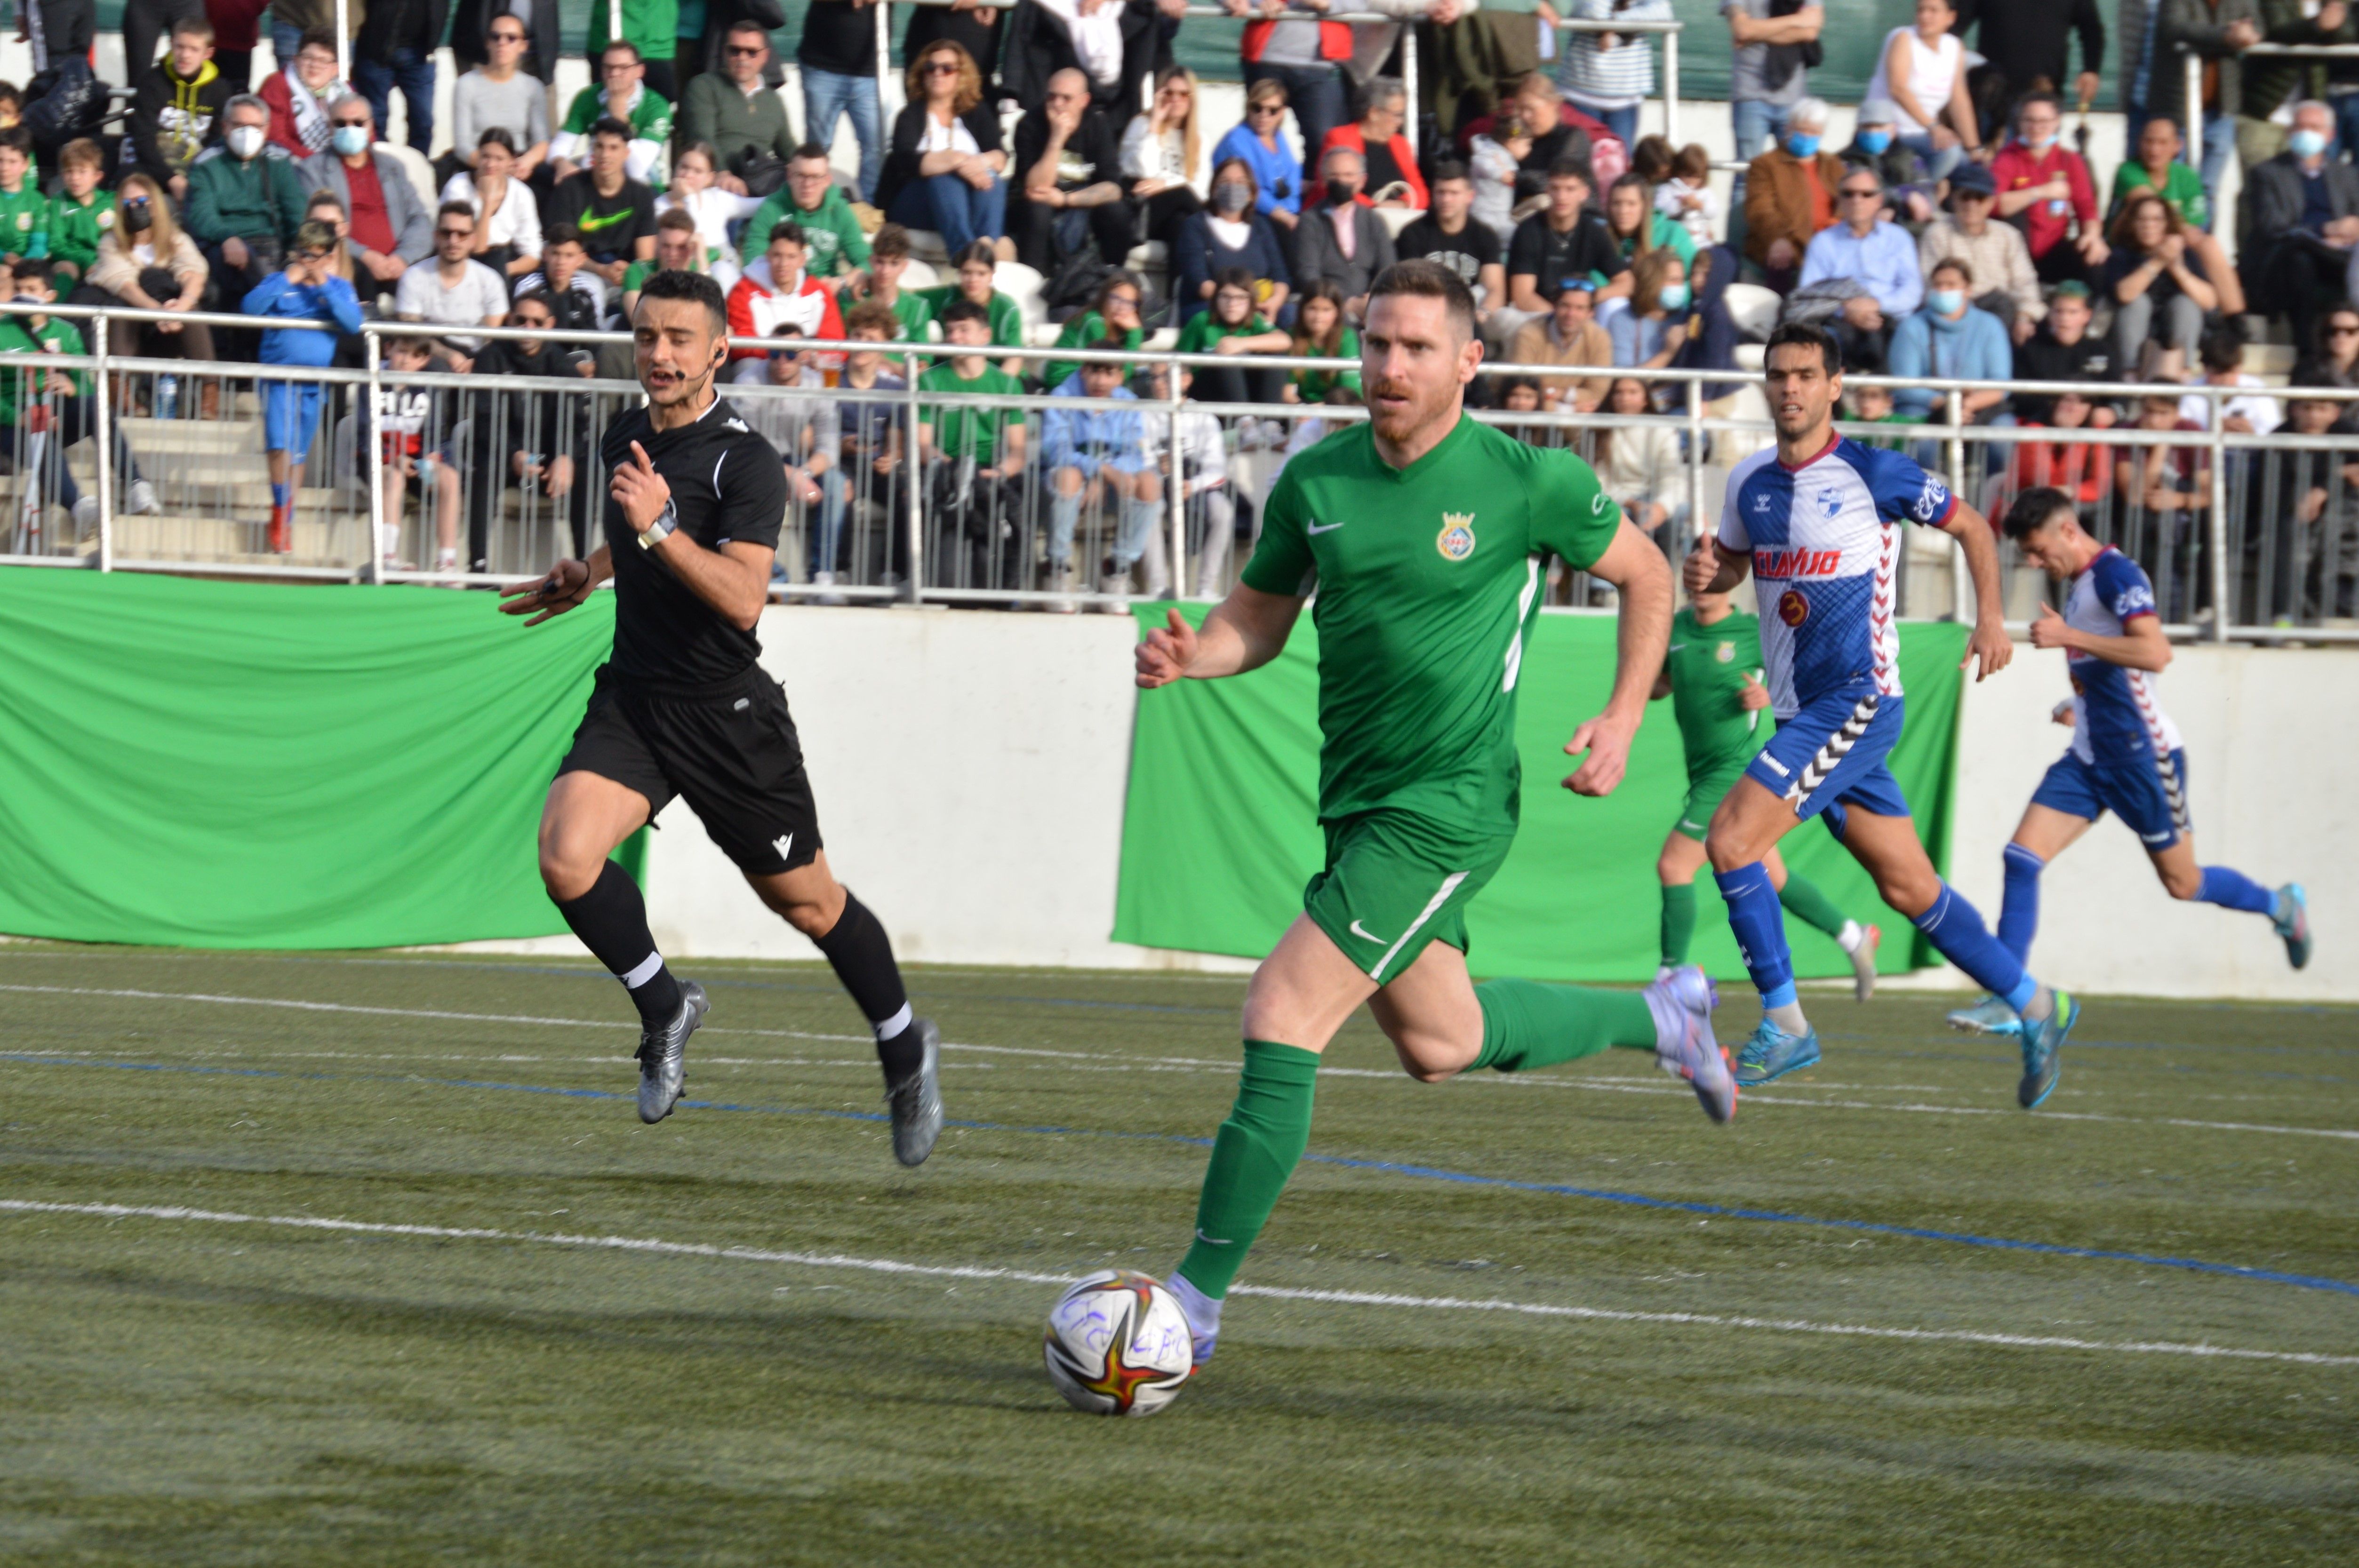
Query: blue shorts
point(2149, 793)
point(291, 417)
point(1832, 755)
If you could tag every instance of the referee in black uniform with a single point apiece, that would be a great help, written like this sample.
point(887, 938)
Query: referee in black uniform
point(683, 709)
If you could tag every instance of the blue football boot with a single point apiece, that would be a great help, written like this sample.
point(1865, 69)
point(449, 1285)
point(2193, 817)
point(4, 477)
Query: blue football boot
point(1989, 1016)
point(2043, 1047)
point(1772, 1054)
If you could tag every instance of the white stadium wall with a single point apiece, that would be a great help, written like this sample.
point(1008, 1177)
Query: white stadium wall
point(971, 766)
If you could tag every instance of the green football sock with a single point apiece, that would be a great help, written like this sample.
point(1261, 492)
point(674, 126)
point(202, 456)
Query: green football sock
point(1803, 899)
point(1527, 1025)
point(1678, 922)
point(1253, 1155)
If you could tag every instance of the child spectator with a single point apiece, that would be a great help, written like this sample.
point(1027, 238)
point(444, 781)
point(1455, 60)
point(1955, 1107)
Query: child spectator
point(1639, 465)
point(793, 302)
point(974, 454)
point(2222, 352)
point(577, 296)
point(1234, 327)
point(977, 268)
point(177, 113)
point(80, 212)
point(24, 210)
point(404, 418)
point(694, 170)
point(290, 409)
point(1685, 196)
point(1114, 315)
point(298, 94)
point(1095, 456)
point(888, 259)
point(1495, 160)
point(678, 248)
point(1321, 333)
point(870, 417)
point(53, 408)
point(1873, 405)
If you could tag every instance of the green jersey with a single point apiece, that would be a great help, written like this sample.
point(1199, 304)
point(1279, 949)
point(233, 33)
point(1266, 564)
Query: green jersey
point(1313, 385)
point(652, 25)
point(1085, 330)
point(1427, 580)
point(831, 234)
point(650, 117)
point(1006, 316)
point(969, 432)
point(1204, 330)
point(75, 227)
point(17, 336)
point(915, 311)
point(25, 223)
point(1708, 667)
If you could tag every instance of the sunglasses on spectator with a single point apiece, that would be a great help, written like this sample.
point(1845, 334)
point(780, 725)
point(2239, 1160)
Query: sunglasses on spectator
point(941, 68)
point(454, 234)
point(740, 51)
point(508, 37)
point(523, 320)
point(1265, 108)
point(2342, 332)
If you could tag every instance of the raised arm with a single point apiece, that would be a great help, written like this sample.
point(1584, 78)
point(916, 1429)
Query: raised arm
point(1633, 565)
point(1244, 632)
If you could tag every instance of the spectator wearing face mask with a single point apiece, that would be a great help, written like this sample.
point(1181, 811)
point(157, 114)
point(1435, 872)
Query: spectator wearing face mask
point(1875, 145)
point(1949, 340)
point(245, 201)
point(1790, 195)
point(1343, 243)
point(391, 228)
point(1230, 234)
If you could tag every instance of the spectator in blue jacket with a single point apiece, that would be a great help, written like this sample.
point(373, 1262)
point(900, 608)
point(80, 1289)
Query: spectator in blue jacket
point(1230, 232)
point(1950, 339)
point(1095, 454)
point(1260, 140)
point(305, 291)
point(1876, 254)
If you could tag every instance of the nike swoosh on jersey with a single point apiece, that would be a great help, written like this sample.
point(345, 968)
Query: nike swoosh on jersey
point(1675, 648)
point(1324, 527)
point(1359, 930)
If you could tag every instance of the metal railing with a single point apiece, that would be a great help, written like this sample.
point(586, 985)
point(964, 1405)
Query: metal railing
point(1669, 32)
point(2192, 105)
point(2248, 537)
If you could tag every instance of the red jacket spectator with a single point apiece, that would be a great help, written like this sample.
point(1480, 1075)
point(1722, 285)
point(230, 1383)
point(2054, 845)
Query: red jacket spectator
point(1334, 39)
point(807, 310)
point(1350, 136)
point(300, 127)
point(2044, 222)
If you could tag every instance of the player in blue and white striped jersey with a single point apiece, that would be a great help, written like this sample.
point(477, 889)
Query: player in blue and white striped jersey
point(2125, 757)
point(1817, 522)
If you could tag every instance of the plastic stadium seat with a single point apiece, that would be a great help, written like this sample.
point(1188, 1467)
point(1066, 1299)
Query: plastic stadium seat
point(926, 246)
point(1162, 341)
point(1751, 356)
point(921, 275)
point(1152, 256)
point(421, 172)
point(1395, 218)
point(1752, 309)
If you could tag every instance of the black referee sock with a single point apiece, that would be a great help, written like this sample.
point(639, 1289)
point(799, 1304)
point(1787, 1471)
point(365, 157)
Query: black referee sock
point(612, 921)
point(862, 957)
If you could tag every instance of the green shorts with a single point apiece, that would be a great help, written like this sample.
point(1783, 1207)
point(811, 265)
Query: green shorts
point(1706, 794)
point(1394, 881)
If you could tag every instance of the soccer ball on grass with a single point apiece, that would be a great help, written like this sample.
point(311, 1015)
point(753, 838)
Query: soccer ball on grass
point(1118, 1345)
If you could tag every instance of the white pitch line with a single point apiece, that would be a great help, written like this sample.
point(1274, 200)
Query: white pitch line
point(1598, 1085)
point(1271, 1292)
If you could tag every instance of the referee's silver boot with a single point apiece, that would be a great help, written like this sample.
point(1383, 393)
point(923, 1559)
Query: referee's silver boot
point(917, 1105)
point(663, 1055)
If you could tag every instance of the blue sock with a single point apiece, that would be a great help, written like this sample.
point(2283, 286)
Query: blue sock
point(1760, 926)
point(2235, 889)
point(2019, 911)
point(281, 495)
point(1955, 928)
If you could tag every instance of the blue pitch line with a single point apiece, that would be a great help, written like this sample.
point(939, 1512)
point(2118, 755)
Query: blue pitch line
point(1343, 1162)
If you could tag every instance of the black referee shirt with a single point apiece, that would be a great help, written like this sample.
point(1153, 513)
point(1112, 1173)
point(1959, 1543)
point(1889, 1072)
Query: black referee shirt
point(727, 486)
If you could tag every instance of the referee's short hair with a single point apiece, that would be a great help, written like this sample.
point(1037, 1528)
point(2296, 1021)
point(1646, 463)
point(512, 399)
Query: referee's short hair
point(673, 284)
point(1809, 335)
point(1428, 280)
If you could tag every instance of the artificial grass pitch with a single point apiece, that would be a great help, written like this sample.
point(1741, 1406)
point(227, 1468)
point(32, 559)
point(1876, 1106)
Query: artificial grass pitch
point(1886, 1317)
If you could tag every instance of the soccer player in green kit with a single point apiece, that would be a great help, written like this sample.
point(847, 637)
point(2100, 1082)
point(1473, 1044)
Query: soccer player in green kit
point(1425, 535)
point(1719, 702)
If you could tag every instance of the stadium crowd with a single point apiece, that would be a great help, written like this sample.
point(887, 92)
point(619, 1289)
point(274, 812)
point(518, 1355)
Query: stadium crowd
point(1958, 234)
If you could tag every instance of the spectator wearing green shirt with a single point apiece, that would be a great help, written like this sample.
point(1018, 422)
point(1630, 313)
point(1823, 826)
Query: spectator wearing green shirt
point(623, 94)
point(1321, 333)
point(2157, 165)
point(24, 210)
point(1114, 314)
point(973, 457)
point(678, 248)
point(652, 30)
point(1233, 327)
point(810, 198)
point(736, 112)
point(65, 395)
point(888, 260)
point(79, 212)
point(978, 266)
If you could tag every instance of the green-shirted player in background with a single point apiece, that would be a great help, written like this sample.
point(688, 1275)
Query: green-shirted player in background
point(1424, 534)
point(1712, 674)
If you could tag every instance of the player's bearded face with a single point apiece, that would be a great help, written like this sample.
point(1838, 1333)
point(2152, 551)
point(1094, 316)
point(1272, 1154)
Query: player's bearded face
point(1413, 364)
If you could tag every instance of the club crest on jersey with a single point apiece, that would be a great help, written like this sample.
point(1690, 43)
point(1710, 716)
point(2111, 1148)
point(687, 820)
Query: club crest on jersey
point(1793, 608)
point(1456, 540)
point(1830, 503)
point(1726, 654)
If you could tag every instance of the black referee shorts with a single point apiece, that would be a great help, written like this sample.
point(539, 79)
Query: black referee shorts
point(729, 750)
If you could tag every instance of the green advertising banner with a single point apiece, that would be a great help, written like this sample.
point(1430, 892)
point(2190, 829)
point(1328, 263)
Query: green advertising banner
point(257, 765)
point(1220, 829)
